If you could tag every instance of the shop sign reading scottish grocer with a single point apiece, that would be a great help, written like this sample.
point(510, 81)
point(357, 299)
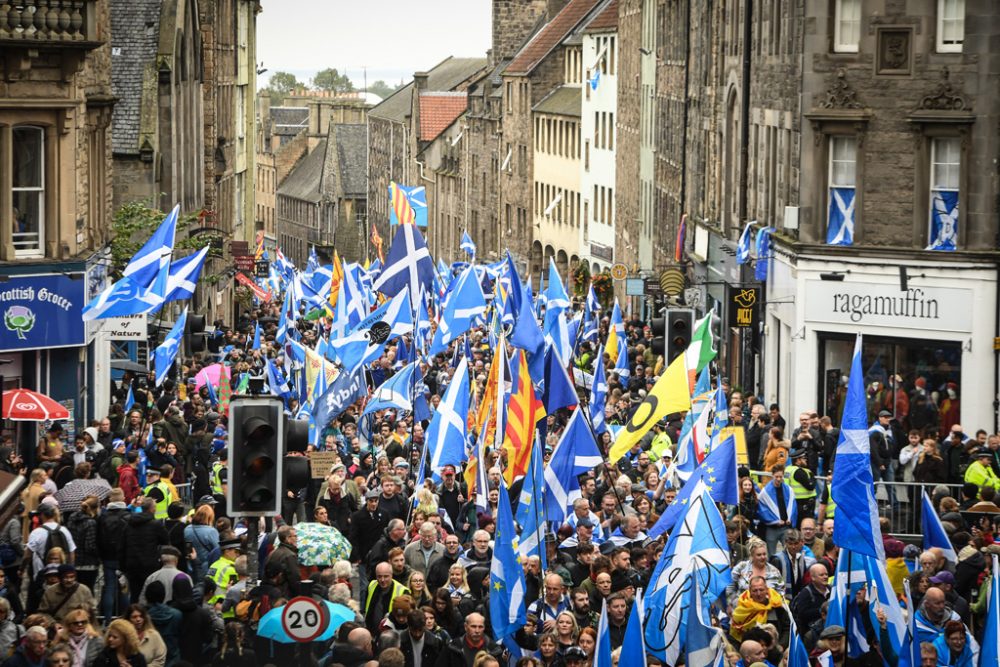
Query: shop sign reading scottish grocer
point(41, 311)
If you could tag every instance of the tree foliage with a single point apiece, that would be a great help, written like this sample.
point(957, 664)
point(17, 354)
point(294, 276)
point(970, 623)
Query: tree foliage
point(382, 89)
point(333, 81)
point(281, 84)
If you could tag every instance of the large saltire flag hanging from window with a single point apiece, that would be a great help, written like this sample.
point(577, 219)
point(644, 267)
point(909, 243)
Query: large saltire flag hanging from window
point(944, 221)
point(841, 229)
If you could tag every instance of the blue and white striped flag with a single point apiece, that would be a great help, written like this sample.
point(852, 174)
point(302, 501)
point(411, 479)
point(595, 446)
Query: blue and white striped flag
point(166, 352)
point(856, 571)
point(841, 225)
point(365, 343)
point(944, 221)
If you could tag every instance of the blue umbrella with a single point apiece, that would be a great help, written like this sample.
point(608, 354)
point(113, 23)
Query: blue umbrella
point(339, 614)
point(270, 626)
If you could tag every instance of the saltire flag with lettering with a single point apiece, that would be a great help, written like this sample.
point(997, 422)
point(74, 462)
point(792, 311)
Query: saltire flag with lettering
point(934, 533)
point(166, 352)
point(183, 276)
point(523, 413)
point(743, 245)
point(698, 541)
point(407, 205)
point(856, 518)
point(407, 265)
point(840, 229)
point(507, 583)
point(365, 343)
point(574, 454)
point(944, 220)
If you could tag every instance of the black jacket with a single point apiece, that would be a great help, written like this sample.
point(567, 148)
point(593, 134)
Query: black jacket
point(366, 529)
point(429, 655)
point(437, 576)
point(339, 511)
point(380, 551)
point(142, 538)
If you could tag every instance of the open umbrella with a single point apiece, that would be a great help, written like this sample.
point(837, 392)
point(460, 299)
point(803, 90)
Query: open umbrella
point(208, 375)
point(69, 496)
point(320, 544)
point(128, 365)
point(270, 626)
point(30, 406)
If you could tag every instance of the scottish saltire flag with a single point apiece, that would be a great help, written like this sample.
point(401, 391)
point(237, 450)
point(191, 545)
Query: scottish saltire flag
point(365, 343)
point(468, 245)
point(593, 305)
point(448, 428)
point(764, 253)
point(934, 533)
point(944, 221)
point(616, 345)
point(692, 448)
point(769, 507)
point(588, 329)
point(856, 571)
point(402, 354)
point(718, 475)
point(855, 525)
point(257, 335)
point(989, 651)
point(408, 264)
point(558, 390)
point(423, 322)
point(511, 282)
point(341, 323)
point(743, 245)
point(286, 319)
point(128, 297)
point(285, 267)
point(704, 644)
point(530, 513)
point(276, 382)
point(129, 399)
point(166, 352)
point(798, 656)
point(840, 229)
point(910, 655)
point(634, 647)
point(154, 255)
point(407, 205)
point(182, 278)
point(555, 326)
point(602, 652)
point(698, 541)
point(312, 263)
point(574, 454)
point(464, 304)
point(507, 585)
point(396, 392)
point(527, 335)
point(595, 79)
point(598, 397)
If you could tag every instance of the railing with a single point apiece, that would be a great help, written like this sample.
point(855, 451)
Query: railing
point(49, 22)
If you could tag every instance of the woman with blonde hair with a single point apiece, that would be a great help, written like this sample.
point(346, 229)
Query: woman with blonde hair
point(417, 584)
point(566, 630)
point(151, 644)
point(121, 646)
point(32, 497)
point(755, 566)
point(79, 634)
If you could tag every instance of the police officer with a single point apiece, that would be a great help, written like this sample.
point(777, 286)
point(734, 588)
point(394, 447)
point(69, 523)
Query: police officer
point(158, 490)
point(223, 571)
point(220, 474)
point(803, 482)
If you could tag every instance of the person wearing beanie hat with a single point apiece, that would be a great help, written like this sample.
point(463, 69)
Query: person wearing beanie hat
point(67, 594)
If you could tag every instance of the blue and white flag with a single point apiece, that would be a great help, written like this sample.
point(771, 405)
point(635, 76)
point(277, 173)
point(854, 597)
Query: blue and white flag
point(555, 326)
point(183, 275)
point(286, 319)
point(155, 253)
point(593, 305)
point(530, 514)
point(588, 330)
point(257, 335)
point(468, 245)
point(276, 382)
point(634, 647)
point(989, 651)
point(720, 420)
point(934, 533)
point(528, 336)
point(704, 644)
point(129, 399)
point(507, 585)
point(396, 392)
point(559, 391)
point(718, 473)
point(856, 520)
point(595, 80)
point(602, 652)
point(365, 343)
point(464, 303)
point(743, 245)
point(447, 431)
point(944, 221)
point(598, 397)
point(698, 541)
point(856, 571)
point(841, 226)
point(345, 389)
point(408, 264)
point(764, 253)
point(910, 655)
point(769, 508)
point(798, 656)
point(166, 352)
point(574, 454)
point(127, 297)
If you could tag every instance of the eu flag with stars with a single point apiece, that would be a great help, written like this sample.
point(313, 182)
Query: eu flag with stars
point(507, 585)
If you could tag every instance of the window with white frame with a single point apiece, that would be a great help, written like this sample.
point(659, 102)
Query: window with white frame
point(28, 144)
point(842, 190)
point(946, 165)
point(950, 25)
point(847, 26)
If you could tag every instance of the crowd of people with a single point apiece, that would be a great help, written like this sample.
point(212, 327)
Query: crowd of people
point(121, 552)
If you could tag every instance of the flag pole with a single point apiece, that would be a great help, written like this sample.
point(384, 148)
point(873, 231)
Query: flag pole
point(604, 457)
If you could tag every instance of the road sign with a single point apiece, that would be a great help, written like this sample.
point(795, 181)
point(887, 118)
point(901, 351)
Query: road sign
point(304, 619)
point(130, 327)
point(635, 287)
point(619, 271)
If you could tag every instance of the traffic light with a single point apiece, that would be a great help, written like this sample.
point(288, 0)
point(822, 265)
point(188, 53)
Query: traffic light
point(659, 329)
point(679, 326)
point(194, 333)
point(255, 456)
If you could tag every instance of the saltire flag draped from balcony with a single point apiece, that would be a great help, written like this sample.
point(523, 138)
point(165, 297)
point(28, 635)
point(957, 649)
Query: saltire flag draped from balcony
point(764, 253)
point(743, 245)
point(841, 219)
point(944, 221)
point(407, 205)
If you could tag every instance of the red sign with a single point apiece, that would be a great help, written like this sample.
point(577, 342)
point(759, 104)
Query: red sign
point(254, 287)
point(244, 262)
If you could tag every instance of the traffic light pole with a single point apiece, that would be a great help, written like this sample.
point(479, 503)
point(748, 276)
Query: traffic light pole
point(253, 575)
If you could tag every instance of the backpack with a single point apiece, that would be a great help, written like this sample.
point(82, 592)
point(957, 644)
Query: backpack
point(250, 610)
point(55, 538)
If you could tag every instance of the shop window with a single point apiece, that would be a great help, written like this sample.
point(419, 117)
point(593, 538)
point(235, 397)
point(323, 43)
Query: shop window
point(950, 25)
point(846, 26)
point(842, 188)
point(28, 144)
point(918, 381)
point(946, 162)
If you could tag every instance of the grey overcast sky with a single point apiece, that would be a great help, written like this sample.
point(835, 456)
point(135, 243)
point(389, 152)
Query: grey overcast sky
point(391, 38)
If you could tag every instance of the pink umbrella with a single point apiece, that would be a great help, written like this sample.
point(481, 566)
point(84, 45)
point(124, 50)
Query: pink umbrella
point(30, 406)
point(208, 375)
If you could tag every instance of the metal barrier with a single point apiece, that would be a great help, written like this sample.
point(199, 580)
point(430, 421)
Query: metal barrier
point(184, 491)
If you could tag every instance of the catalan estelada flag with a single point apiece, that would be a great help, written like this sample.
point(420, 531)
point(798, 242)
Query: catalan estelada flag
point(523, 412)
point(679, 241)
point(402, 210)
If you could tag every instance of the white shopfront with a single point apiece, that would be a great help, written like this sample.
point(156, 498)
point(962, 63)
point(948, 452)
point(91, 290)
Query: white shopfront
point(928, 350)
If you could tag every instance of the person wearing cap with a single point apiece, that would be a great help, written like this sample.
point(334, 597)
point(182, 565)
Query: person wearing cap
point(803, 482)
point(980, 471)
point(169, 559)
point(835, 638)
point(158, 490)
point(223, 571)
point(880, 440)
point(68, 594)
point(945, 580)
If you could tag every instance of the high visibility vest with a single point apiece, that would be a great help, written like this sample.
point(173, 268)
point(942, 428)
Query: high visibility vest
point(831, 507)
point(217, 477)
point(397, 590)
point(223, 573)
point(801, 492)
point(162, 503)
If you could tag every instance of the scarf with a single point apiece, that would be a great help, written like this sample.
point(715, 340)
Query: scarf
point(79, 645)
point(749, 612)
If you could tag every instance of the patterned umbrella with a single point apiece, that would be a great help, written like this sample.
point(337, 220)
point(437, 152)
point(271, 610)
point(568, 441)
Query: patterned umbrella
point(69, 496)
point(30, 406)
point(320, 544)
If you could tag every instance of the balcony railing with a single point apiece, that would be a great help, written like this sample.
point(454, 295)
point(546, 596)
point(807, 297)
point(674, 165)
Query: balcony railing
point(67, 23)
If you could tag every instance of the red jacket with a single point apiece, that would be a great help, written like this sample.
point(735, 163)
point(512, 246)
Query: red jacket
point(128, 481)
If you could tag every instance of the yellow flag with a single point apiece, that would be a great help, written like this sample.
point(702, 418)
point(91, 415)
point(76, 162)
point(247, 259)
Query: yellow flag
point(670, 394)
point(338, 277)
point(315, 364)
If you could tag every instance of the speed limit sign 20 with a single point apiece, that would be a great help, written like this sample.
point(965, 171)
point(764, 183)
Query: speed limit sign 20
point(304, 619)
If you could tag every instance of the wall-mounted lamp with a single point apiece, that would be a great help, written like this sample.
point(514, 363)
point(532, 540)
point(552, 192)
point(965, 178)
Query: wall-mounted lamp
point(834, 276)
